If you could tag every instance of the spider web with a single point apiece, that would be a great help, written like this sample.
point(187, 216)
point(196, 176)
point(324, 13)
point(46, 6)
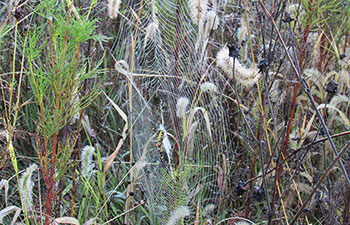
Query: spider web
point(169, 59)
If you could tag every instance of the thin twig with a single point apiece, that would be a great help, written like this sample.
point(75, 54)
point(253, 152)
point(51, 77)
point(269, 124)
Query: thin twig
point(329, 169)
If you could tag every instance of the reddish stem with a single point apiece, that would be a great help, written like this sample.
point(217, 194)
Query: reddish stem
point(302, 49)
point(51, 181)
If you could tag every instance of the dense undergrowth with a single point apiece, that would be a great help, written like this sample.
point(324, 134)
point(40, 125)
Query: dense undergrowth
point(175, 112)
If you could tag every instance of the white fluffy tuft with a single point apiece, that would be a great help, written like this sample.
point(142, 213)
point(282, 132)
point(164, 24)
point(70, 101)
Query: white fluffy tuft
point(198, 10)
point(113, 8)
point(243, 75)
point(177, 214)
point(26, 187)
point(335, 101)
point(208, 86)
point(212, 20)
point(181, 106)
point(86, 160)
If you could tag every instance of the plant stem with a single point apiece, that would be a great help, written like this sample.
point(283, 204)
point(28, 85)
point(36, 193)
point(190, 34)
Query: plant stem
point(328, 170)
point(51, 181)
point(307, 91)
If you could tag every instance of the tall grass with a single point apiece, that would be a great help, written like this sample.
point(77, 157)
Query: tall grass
point(174, 112)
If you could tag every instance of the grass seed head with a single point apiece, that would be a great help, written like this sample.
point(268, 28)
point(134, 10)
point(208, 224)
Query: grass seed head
point(198, 10)
point(177, 214)
point(208, 87)
point(181, 106)
point(243, 75)
point(86, 160)
point(113, 8)
point(26, 187)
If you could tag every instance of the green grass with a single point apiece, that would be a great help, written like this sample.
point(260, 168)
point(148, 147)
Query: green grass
point(71, 77)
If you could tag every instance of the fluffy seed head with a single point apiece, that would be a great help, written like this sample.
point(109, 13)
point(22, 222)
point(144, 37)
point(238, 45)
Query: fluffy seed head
point(243, 75)
point(177, 214)
point(113, 8)
point(198, 10)
point(246, 76)
point(26, 187)
point(224, 61)
point(181, 106)
point(208, 209)
point(86, 160)
point(337, 99)
point(208, 86)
